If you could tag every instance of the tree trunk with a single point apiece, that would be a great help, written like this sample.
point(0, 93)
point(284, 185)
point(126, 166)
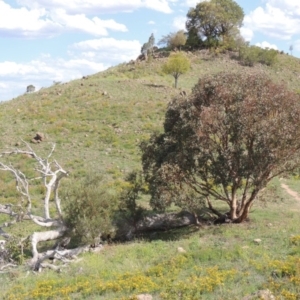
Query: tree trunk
point(176, 80)
point(157, 222)
point(42, 237)
point(244, 214)
point(46, 202)
point(233, 208)
point(245, 207)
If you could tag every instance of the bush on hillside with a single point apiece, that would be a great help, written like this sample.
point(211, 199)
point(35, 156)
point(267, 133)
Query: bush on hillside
point(130, 211)
point(249, 55)
point(89, 210)
point(174, 40)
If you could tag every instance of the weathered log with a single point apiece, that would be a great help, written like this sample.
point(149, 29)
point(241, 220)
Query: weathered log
point(165, 221)
point(42, 237)
point(155, 222)
point(65, 256)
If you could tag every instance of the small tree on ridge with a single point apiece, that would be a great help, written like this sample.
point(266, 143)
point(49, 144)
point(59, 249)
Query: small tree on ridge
point(176, 65)
point(174, 40)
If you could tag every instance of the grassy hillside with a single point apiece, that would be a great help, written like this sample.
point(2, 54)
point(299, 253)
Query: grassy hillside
point(97, 123)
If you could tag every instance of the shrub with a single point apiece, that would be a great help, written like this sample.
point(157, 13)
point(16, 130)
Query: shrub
point(174, 39)
point(130, 211)
point(89, 209)
point(253, 54)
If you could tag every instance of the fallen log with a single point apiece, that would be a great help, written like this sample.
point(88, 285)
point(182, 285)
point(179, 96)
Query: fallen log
point(154, 222)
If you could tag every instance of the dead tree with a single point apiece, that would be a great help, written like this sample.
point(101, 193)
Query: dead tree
point(50, 173)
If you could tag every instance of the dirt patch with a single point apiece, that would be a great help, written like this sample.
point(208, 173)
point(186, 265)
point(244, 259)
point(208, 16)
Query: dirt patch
point(292, 193)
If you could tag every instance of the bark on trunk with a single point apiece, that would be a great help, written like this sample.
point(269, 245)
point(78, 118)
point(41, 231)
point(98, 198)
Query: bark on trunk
point(42, 237)
point(233, 208)
point(244, 215)
point(176, 80)
point(157, 222)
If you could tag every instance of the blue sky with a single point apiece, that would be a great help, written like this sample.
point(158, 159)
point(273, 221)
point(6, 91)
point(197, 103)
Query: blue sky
point(59, 40)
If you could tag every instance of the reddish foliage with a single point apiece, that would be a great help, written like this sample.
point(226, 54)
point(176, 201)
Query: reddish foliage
point(226, 142)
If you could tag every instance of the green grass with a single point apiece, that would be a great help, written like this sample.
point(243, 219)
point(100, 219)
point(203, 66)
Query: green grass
point(220, 262)
point(99, 132)
point(84, 122)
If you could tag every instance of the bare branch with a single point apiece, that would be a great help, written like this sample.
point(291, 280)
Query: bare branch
point(22, 185)
point(8, 266)
point(42, 237)
point(4, 234)
point(50, 174)
point(66, 256)
point(52, 267)
point(7, 209)
point(46, 222)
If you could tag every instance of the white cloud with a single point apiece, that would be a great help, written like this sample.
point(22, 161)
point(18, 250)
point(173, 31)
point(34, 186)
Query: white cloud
point(278, 19)
point(247, 34)
point(193, 3)
point(88, 6)
point(80, 22)
point(48, 69)
point(12, 69)
point(100, 6)
point(26, 23)
point(265, 45)
point(110, 49)
point(179, 23)
point(38, 22)
point(10, 89)
point(296, 45)
point(87, 57)
point(151, 23)
point(160, 5)
point(289, 6)
point(15, 77)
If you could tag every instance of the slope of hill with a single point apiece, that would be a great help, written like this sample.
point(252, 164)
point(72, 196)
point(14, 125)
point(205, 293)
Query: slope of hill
point(97, 123)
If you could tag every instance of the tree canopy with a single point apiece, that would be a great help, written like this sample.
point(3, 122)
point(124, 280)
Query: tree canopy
point(226, 142)
point(176, 65)
point(214, 20)
point(174, 39)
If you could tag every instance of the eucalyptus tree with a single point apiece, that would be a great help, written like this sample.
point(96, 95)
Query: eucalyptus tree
point(214, 20)
point(224, 143)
